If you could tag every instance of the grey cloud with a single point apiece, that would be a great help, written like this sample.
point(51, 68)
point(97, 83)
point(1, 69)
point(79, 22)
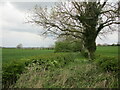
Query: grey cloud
point(17, 23)
point(30, 5)
point(20, 27)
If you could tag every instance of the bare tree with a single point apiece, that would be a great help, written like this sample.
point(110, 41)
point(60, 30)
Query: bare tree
point(82, 20)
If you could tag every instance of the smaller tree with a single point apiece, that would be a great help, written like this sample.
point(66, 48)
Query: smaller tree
point(68, 43)
point(19, 46)
point(76, 46)
point(62, 47)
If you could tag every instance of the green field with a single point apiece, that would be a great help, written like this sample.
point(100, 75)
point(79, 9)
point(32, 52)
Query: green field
point(16, 54)
point(107, 51)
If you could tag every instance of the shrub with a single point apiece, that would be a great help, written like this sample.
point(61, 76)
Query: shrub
point(68, 46)
point(62, 47)
point(11, 72)
point(109, 64)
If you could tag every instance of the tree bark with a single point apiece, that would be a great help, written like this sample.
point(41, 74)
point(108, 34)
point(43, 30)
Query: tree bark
point(90, 45)
point(91, 55)
point(91, 51)
point(89, 42)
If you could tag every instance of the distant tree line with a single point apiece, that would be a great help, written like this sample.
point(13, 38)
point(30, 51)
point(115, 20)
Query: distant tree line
point(41, 48)
point(109, 44)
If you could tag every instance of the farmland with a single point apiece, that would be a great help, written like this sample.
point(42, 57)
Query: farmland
point(16, 54)
point(108, 50)
point(60, 69)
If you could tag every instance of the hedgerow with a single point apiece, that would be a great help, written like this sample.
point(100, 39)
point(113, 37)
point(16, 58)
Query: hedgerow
point(109, 64)
point(12, 71)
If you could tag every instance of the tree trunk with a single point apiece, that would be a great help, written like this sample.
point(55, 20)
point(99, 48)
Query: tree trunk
point(91, 51)
point(91, 55)
point(89, 42)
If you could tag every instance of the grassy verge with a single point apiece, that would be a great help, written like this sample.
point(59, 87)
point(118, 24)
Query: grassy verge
point(79, 73)
point(12, 70)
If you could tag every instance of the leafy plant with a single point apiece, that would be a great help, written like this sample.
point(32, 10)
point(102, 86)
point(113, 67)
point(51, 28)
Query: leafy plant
point(109, 64)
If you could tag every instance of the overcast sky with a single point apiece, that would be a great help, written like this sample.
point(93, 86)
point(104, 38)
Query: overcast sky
point(15, 30)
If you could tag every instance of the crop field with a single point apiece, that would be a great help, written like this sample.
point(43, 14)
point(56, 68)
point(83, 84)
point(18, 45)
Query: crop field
point(107, 51)
point(16, 54)
point(66, 69)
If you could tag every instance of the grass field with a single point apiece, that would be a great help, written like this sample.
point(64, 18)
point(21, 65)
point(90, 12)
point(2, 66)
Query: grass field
point(107, 50)
point(16, 54)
